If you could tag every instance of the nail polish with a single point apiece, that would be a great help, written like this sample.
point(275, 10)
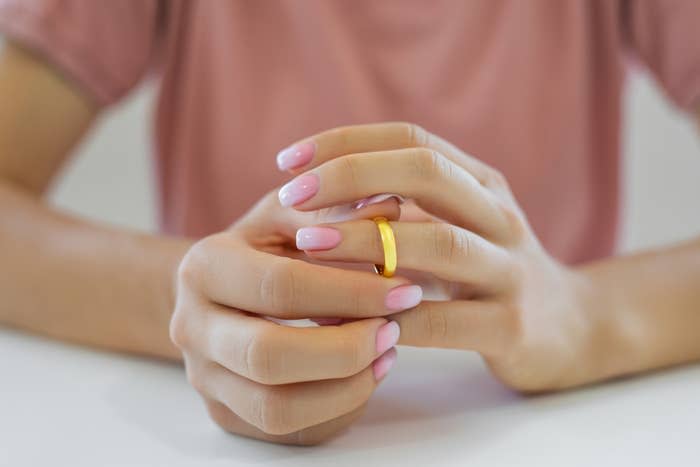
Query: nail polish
point(296, 156)
point(299, 190)
point(317, 238)
point(376, 199)
point(328, 321)
point(403, 297)
point(383, 364)
point(387, 336)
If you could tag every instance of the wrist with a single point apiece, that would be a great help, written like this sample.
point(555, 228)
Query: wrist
point(174, 249)
point(609, 346)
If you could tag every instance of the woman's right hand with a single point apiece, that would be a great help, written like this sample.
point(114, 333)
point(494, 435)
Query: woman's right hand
point(262, 379)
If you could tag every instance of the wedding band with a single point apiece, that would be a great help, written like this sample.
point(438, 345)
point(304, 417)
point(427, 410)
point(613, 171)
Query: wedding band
point(389, 246)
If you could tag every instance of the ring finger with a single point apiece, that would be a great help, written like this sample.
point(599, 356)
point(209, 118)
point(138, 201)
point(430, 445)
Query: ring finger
point(447, 251)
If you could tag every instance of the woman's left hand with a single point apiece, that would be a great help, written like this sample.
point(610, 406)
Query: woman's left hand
point(530, 317)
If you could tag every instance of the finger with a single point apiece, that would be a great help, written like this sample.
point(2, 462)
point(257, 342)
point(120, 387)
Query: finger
point(280, 410)
point(328, 321)
point(447, 251)
point(435, 183)
point(270, 353)
point(234, 275)
point(312, 435)
point(291, 220)
point(330, 144)
point(267, 217)
point(469, 325)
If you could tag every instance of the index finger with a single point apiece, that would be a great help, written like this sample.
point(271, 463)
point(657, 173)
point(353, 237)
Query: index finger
point(224, 272)
point(314, 151)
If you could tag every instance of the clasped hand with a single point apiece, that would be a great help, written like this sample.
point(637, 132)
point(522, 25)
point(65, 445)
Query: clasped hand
point(501, 294)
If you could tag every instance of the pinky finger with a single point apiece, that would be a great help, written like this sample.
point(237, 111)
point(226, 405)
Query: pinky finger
point(310, 436)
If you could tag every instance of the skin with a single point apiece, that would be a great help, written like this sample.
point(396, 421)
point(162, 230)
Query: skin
point(280, 380)
point(116, 289)
point(99, 286)
point(539, 324)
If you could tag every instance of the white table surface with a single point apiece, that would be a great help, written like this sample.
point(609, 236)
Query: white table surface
point(65, 405)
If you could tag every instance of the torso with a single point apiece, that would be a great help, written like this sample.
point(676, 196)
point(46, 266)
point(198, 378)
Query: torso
point(532, 88)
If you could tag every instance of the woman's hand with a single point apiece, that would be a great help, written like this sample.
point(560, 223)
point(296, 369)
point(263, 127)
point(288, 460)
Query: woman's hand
point(267, 380)
point(529, 316)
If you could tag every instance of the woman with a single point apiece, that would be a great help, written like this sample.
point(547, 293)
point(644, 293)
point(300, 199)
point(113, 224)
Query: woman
point(506, 250)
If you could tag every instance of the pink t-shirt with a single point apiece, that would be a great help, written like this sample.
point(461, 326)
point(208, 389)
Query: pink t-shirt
point(531, 87)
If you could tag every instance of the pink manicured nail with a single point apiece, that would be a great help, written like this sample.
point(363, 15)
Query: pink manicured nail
point(403, 297)
point(298, 190)
point(383, 364)
point(318, 238)
point(327, 321)
point(376, 199)
point(387, 336)
point(296, 156)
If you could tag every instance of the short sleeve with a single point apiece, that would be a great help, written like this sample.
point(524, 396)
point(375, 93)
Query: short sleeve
point(664, 35)
point(104, 46)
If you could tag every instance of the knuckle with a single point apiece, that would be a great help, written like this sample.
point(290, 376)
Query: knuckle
point(270, 412)
point(189, 267)
point(514, 221)
point(258, 358)
point(351, 356)
point(430, 164)
point(358, 389)
point(349, 166)
point(450, 245)
point(278, 288)
point(494, 178)
point(423, 328)
point(196, 379)
point(196, 261)
point(357, 301)
point(513, 328)
point(416, 135)
point(437, 330)
point(179, 329)
point(220, 414)
point(515, 277)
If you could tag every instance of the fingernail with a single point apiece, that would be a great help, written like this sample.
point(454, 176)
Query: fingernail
point(376, 199)
point(327, 321)
point(403, 297)
point(298, 190)
point(318, 238)
point(383, 364)
point(387, 336)
point(296, 156)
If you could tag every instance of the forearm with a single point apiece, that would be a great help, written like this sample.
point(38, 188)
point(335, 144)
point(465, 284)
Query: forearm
point(647, 310)
point(79, 282)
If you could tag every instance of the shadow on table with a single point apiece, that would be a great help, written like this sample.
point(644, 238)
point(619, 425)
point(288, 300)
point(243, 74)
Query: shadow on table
point(427, 395)
point(429, 399)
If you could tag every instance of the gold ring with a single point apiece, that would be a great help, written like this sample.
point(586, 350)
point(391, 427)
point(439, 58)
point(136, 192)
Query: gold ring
point(389, 245)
